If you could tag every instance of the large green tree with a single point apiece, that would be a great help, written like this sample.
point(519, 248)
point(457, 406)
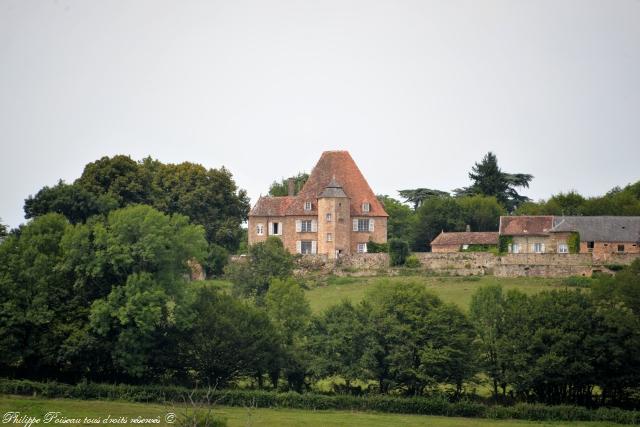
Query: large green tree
point(401, 218)
point(436, 214)
point(417, 196)
point(281, 188)
point(489, 180)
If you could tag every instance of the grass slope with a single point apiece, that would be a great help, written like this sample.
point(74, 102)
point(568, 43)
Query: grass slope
point(251, 416)
point(457, 290)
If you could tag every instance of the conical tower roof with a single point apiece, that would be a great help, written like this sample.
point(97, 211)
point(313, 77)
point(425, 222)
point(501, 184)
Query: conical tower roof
point(333, 189)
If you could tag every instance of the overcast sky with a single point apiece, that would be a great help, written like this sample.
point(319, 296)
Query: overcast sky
point(417, 91)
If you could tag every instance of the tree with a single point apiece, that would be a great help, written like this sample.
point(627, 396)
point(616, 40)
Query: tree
point(489, 180)
point(481, 213)
point(265, 261)
point(282, 188)
point(145, 254)
point(338, 339)
point(435, 215)
point(400, 220)
point(398, 252)
point(73, 201)
point(228, 339)
point(418, 340)
point(3, 231)
point(290, 313)
point(487, 314)
point(417, 196)
point(36, 299)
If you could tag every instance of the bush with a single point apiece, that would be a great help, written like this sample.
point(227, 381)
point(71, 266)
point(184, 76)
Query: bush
point(503, 243)
point(577, 281)
point(398, 252)
point(434, 405)
point(373, 247)
point(614, 267)
point(573, 242)
point(412, 261)
point(200, 418)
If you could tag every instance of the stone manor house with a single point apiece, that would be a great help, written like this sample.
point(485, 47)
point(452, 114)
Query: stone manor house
point(335, 212)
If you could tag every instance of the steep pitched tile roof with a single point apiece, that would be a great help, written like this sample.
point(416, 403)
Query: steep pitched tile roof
point(526, 225)
point(271, 206)
point(338, 166)
point(600, 228)
point(467, 238)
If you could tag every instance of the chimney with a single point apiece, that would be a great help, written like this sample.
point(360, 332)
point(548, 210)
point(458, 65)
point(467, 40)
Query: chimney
point(468, 228)
point(291, 183)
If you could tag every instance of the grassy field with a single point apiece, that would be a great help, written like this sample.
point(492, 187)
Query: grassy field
point(79, 409)
point(457, 290)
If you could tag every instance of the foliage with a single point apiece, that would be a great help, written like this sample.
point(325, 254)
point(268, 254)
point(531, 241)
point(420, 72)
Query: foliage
point(573, 242)
point(374, 248)
point(577, 281)
point(217, 258)
point(265, 261)
point(504, 242)
point(400, 220)
point(618, 201)
point(398, 251)
point(481, 213)
point(227, 339)
point(480, 248)
point(434, 405)
point(3, 230)
point(436, 214)
point(209, 198)
point(412, 261)
point(489, 180)
point(419, 195)
point(282, 188)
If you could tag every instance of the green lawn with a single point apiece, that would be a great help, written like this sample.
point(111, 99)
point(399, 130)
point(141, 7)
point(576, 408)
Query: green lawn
point(78, 409)
point(325, 291)
point(457, 290)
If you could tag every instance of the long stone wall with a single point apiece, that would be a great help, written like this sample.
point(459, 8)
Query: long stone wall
point(466, 264)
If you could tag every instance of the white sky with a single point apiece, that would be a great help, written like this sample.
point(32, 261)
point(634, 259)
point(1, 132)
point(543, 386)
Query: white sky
point(417, 91)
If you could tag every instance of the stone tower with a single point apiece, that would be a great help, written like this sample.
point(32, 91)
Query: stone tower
point(334, 221)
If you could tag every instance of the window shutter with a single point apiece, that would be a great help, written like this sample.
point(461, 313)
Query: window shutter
point(298, 246)
point(314, 247)
point(298, 225)
point(364, 248)
point(542, 248)
point(355, 225)
point(314, 225)
point(371, 224)
point(270, 228)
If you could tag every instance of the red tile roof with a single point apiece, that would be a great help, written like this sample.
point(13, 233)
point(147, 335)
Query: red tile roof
point(271, 206)
point(525, 225)
point(467, 238)
point(338, 165)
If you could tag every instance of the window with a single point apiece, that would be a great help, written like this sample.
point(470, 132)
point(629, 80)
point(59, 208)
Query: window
point(329, 237)
point(260, 229)
point(590, 246)
point(465, 247)
point(563, 248)
point(305, 226)
point(276, 229)
point(328, 217)
point(307, 206)
point(538, 248)
point(366, 207)
point(515, 248)
point(306, 247)
point(620, 248)
point(363, 224)
point(362, 248)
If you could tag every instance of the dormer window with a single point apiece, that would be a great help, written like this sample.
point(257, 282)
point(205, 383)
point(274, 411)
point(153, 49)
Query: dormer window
point(307, 206)
point(366, 207)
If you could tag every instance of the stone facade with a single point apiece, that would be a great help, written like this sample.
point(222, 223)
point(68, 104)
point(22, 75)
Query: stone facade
point(336, 213)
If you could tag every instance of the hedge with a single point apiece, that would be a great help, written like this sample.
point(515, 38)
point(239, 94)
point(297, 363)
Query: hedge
point(267, 399)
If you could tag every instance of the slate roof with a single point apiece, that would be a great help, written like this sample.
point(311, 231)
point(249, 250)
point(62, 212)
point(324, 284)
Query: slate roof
point(466, 238)
point(528, 225)
point(601, 228)
point(335, 168)
point(333, 190)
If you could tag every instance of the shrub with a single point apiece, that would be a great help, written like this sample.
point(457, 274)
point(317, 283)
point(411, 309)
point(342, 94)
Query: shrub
point(398, 251)
point(573, 242)
point(200, 418)
point(615, 267)
point(577, 281)
point(412, 261)
point(373, 247)
point(503, 243)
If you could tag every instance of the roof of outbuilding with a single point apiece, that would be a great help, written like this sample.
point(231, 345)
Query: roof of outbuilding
point(601, 228)
point(466, 238)
point(271, 206)
point(525, 225)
